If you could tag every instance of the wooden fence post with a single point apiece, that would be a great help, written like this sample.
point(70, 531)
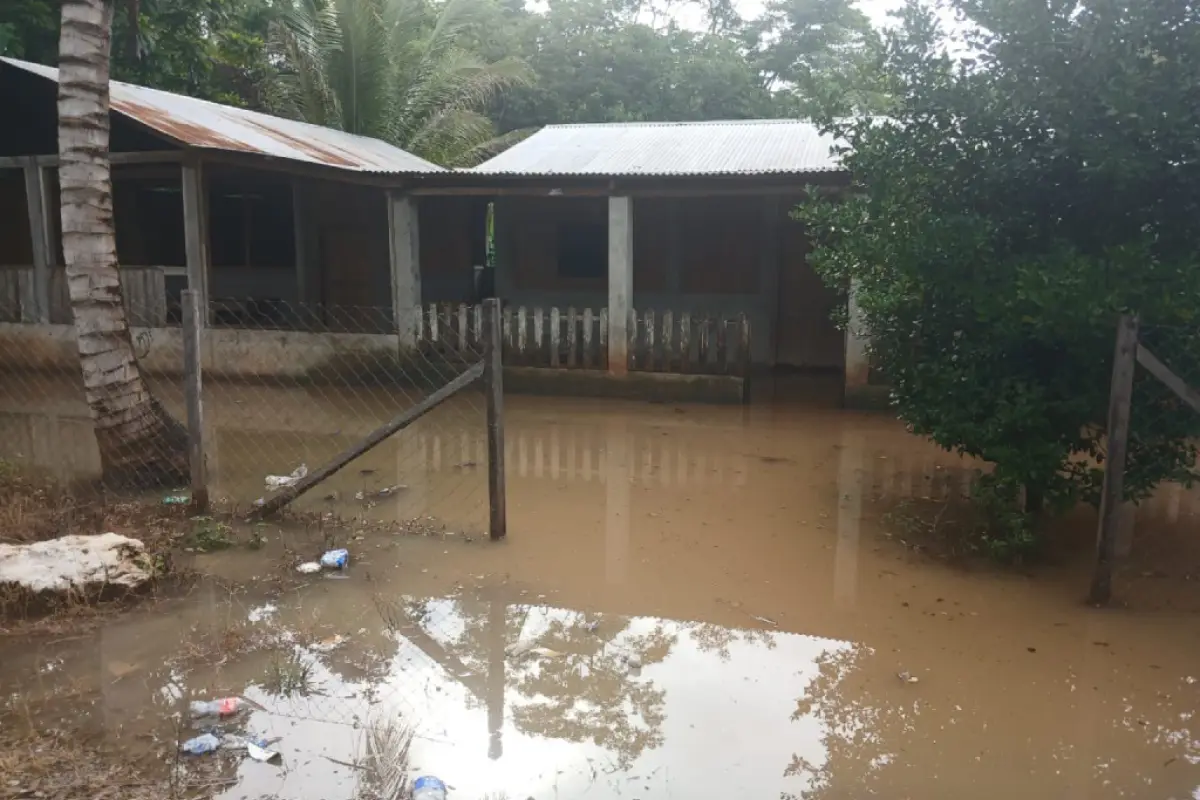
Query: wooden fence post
point(192, 325)
point(1119, 400)
point(493, 387)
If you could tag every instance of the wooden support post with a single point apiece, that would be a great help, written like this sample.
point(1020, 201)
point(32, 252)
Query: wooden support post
point(771, 227)
point(858, 365)
point(192, 325)
point(404, 238)
point(195, 236)
point(620, 282)
point(493, 387)
point(1169, 379)
point(397, 423)
point(1112, 495)
point(40, 227)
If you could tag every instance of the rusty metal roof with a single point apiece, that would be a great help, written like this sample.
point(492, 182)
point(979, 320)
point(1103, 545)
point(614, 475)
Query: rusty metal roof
point(199, 123)
point(746, 147)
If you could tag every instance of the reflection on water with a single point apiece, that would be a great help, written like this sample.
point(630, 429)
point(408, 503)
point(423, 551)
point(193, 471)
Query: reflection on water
point(543, 701)
point(692, 602)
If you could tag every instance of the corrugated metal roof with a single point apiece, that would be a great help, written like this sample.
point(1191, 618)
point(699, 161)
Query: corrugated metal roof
point(747, 147)
point(199, 123)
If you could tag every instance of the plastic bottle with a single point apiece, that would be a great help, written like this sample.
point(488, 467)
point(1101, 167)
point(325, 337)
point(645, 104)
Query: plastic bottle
point(223, 707)
point(335, 559)
point(204, 743)
point(428, 787)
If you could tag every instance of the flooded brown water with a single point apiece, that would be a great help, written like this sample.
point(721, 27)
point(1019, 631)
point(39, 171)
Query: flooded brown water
point(692, 602)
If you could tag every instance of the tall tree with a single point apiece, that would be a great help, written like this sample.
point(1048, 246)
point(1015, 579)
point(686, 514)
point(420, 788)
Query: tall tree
point(393, 69)
point(138, 441)
point(211, 49)
point(1010, 206)
point(600, 61)
point(29, 30)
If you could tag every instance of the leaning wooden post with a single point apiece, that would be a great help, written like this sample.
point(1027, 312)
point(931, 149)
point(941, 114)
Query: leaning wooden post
point(192, 325)
point(1120, 399)
point(493, 386)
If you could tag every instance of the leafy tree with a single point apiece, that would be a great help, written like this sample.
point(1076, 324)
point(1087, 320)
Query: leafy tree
point(597, 64)
point(1010, 206)
point(211, 49)
point(397, 70)
point(818, 55)
point(29, 30)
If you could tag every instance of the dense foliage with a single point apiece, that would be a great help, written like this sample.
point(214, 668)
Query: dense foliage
point(1038, 174)
point(447, 79)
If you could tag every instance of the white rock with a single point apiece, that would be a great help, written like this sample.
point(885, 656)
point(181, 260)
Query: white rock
point(74, 562)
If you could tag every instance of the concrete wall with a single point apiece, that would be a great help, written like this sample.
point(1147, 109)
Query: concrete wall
point(225, 352)
point(718, 255)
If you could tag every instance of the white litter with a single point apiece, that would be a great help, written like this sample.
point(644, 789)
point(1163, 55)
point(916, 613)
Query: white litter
point(330, 644)
point(259, 753)
point(274, 482)
point(308, 568)
point(74, 563)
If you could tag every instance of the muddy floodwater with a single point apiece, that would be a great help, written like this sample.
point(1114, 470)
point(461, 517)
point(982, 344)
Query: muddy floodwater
point(693, 602)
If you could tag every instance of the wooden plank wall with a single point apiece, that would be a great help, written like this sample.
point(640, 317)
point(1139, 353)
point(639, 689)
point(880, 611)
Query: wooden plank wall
point(144, 288)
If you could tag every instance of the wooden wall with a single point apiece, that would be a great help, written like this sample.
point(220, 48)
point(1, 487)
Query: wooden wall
point(15, 244)
point(733, 254)
point(353, 258)
point(452, 231)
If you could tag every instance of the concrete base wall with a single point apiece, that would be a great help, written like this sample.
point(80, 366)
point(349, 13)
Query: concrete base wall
point(243, 354)
point(225, 352)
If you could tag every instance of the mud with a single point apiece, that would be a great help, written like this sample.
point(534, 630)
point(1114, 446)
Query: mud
point(692, 602)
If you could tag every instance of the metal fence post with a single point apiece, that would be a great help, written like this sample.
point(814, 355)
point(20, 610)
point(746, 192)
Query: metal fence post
point(1112, 495)
point(493, 386)
point(192, 325)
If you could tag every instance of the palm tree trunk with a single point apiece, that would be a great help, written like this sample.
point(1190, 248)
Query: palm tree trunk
point(138, 441)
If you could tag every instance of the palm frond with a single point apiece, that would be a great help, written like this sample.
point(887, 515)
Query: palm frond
point(491, 147)
point(300, 44)
point(392, 69)
point(449, 134)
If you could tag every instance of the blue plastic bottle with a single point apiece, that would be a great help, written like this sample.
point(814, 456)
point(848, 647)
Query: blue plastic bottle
point(428, 787)
point(205, 743)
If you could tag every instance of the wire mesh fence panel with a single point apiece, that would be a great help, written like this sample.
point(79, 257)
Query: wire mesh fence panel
point(121, 430)
point(288, 389)
point(1160, 521)
point(1164, 444)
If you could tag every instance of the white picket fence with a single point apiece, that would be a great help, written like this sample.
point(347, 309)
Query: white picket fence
point(572, 338)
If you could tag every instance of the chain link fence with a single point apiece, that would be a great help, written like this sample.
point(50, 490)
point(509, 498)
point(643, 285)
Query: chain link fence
point(398, 416)
point(286, 389)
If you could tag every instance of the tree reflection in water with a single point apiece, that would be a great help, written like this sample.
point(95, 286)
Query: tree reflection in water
point(856, 732)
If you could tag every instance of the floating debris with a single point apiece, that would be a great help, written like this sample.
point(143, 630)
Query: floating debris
point(330, 644)
point(386, 491)
point(274, 482)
